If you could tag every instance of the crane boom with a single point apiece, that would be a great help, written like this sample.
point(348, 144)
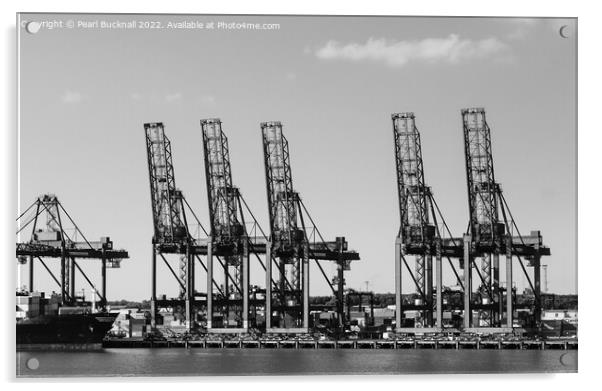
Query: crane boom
point(282, 199)
point(222, 195)
point(169, 219)
point(483, 191)
point(414, 200)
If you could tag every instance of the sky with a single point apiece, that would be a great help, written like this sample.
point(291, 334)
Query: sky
point(333, 82)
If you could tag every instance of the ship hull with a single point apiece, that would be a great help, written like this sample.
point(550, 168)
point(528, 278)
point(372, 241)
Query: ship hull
point(77, 330)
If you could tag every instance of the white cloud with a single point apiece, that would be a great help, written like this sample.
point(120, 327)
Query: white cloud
point(451, 49)
point(291, 75)
point(170, 98)
point(71, 97)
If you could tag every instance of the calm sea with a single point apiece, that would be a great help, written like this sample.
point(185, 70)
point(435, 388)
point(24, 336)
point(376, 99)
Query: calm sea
point(191, 362)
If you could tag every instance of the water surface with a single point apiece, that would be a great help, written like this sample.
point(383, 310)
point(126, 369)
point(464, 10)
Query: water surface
point(198, 362)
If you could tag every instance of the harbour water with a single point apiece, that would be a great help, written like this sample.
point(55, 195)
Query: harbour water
point(202, 362)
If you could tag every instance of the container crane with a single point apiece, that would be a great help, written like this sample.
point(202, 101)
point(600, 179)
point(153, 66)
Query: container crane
point(54, 235)
point(489, 236)
point(228, 236)
point(172, 235)
point(290, 244)
point(419, 235)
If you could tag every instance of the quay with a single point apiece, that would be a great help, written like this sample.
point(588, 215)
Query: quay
point(307, 343)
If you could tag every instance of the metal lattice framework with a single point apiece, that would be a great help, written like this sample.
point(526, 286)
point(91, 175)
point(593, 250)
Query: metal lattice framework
point(418, 235)
point(222, 196)
point(228, 231)
point(173, 234)
point(489, 231)
point(413, 194)
point(54, 234)
point(282, 199)
point(483, 191)
point(290, 242)
point(287, 240)
point(168, 211)
point(169, 218)
point(414, 202)
point(485, 227)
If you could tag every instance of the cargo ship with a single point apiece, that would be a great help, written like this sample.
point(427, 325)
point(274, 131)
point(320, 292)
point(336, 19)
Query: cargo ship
point(43, 323)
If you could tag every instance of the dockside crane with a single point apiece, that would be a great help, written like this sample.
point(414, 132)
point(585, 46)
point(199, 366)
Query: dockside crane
point(490, 233)
point(291, 245)
point(419, 233)
point(54, 235)
point(172, 234)
point(228, 237)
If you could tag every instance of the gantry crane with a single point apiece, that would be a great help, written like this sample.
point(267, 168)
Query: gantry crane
point(291, 245)
point(489, 236)
point(419, 234)
point(55, 235)
point(228, 236)
point(172, 234)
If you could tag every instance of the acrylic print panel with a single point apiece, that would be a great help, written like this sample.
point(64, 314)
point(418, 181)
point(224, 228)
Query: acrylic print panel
point(280, 195)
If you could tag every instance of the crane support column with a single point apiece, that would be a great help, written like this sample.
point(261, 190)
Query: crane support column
point(188, 309)
point(305, 272)
point(72, 278)
point(245, 285)
point(496, 290)
point(537, 286)
point(467, 281)
point(190, 288)
point(509, 309)
point(154, 272)
point(341, 285)
point(209, 285)
point(268, 285)
point(31, 273)
point(104, 282)
point(429, 289)
point(189, 294)
point(398, 290)
point(63, 277)
point(226, 307)
point(439, 283)
point(154, 288)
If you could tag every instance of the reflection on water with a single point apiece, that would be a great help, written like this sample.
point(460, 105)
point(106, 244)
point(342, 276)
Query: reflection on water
point(190, 362)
